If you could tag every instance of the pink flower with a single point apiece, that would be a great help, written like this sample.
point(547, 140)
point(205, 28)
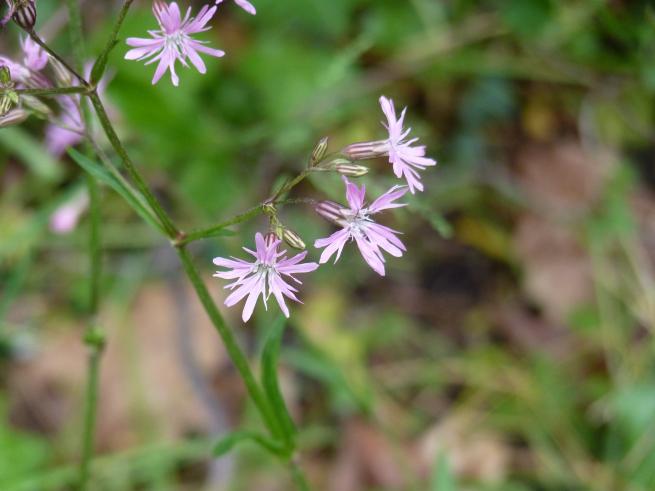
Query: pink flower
point(65, 218)
point(244, 4)
point(68, 130)
point(34, 60)
point(34, 56)
point(371, 237)
point(406, 159)
point(264, 276)
point(173, 41)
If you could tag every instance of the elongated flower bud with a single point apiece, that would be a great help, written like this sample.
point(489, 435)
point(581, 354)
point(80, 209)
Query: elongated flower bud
point(329, 210)
point(367, 150)
point(39, 108)
point(331, 165)
point(62, 75)
point(293, 239)
point(13, 117)
point(319, 151)
point(351, 170)
point(23, 12)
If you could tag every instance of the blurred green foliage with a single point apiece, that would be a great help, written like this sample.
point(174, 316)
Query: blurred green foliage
point(483, 80)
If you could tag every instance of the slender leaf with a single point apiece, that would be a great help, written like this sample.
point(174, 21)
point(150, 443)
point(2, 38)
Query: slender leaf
point(130, 195)
point(270, 354)
point(99, 66)
point(228, 442)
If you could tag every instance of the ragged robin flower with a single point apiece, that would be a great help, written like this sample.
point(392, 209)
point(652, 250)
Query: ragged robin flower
point(407, 157)
point(173, 41)
point(356, 222)
point(268, 274)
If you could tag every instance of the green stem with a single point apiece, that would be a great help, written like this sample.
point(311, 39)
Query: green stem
point(95, 245)
point(171, 230)
point(214, 230)
point(46, 92)
point(90, 412)
point(299, 476)
point(230, 342)
point(117, 27)
point(35, 37)
point(219, 227)
point(288, 186)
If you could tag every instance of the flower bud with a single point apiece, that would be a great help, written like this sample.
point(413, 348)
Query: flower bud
point(270, 238)
point(329, 210)
point(319, 151)
point(40, 108)
point(23, 12)
point(269, 208)
point(331, 165)
point(14, 117)
point(7, 101)
point(351, 170)
point(366, 150)
point(5, 77)
point(62, 75)
point(293, 239)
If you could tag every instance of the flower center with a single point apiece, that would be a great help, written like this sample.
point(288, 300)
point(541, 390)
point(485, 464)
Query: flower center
point(357, 223)
point(175, 39)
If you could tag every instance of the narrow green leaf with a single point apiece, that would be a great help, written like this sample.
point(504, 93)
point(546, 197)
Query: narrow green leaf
point(442, 476)
point(228, 442)
point(102, 175)
point(270, 381)
point(99, 66)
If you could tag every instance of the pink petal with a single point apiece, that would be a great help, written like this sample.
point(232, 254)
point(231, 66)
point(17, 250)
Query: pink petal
point(371, 255)
point(386, 201)
point(334, 243)
point(247, 6)
point(249, 307)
